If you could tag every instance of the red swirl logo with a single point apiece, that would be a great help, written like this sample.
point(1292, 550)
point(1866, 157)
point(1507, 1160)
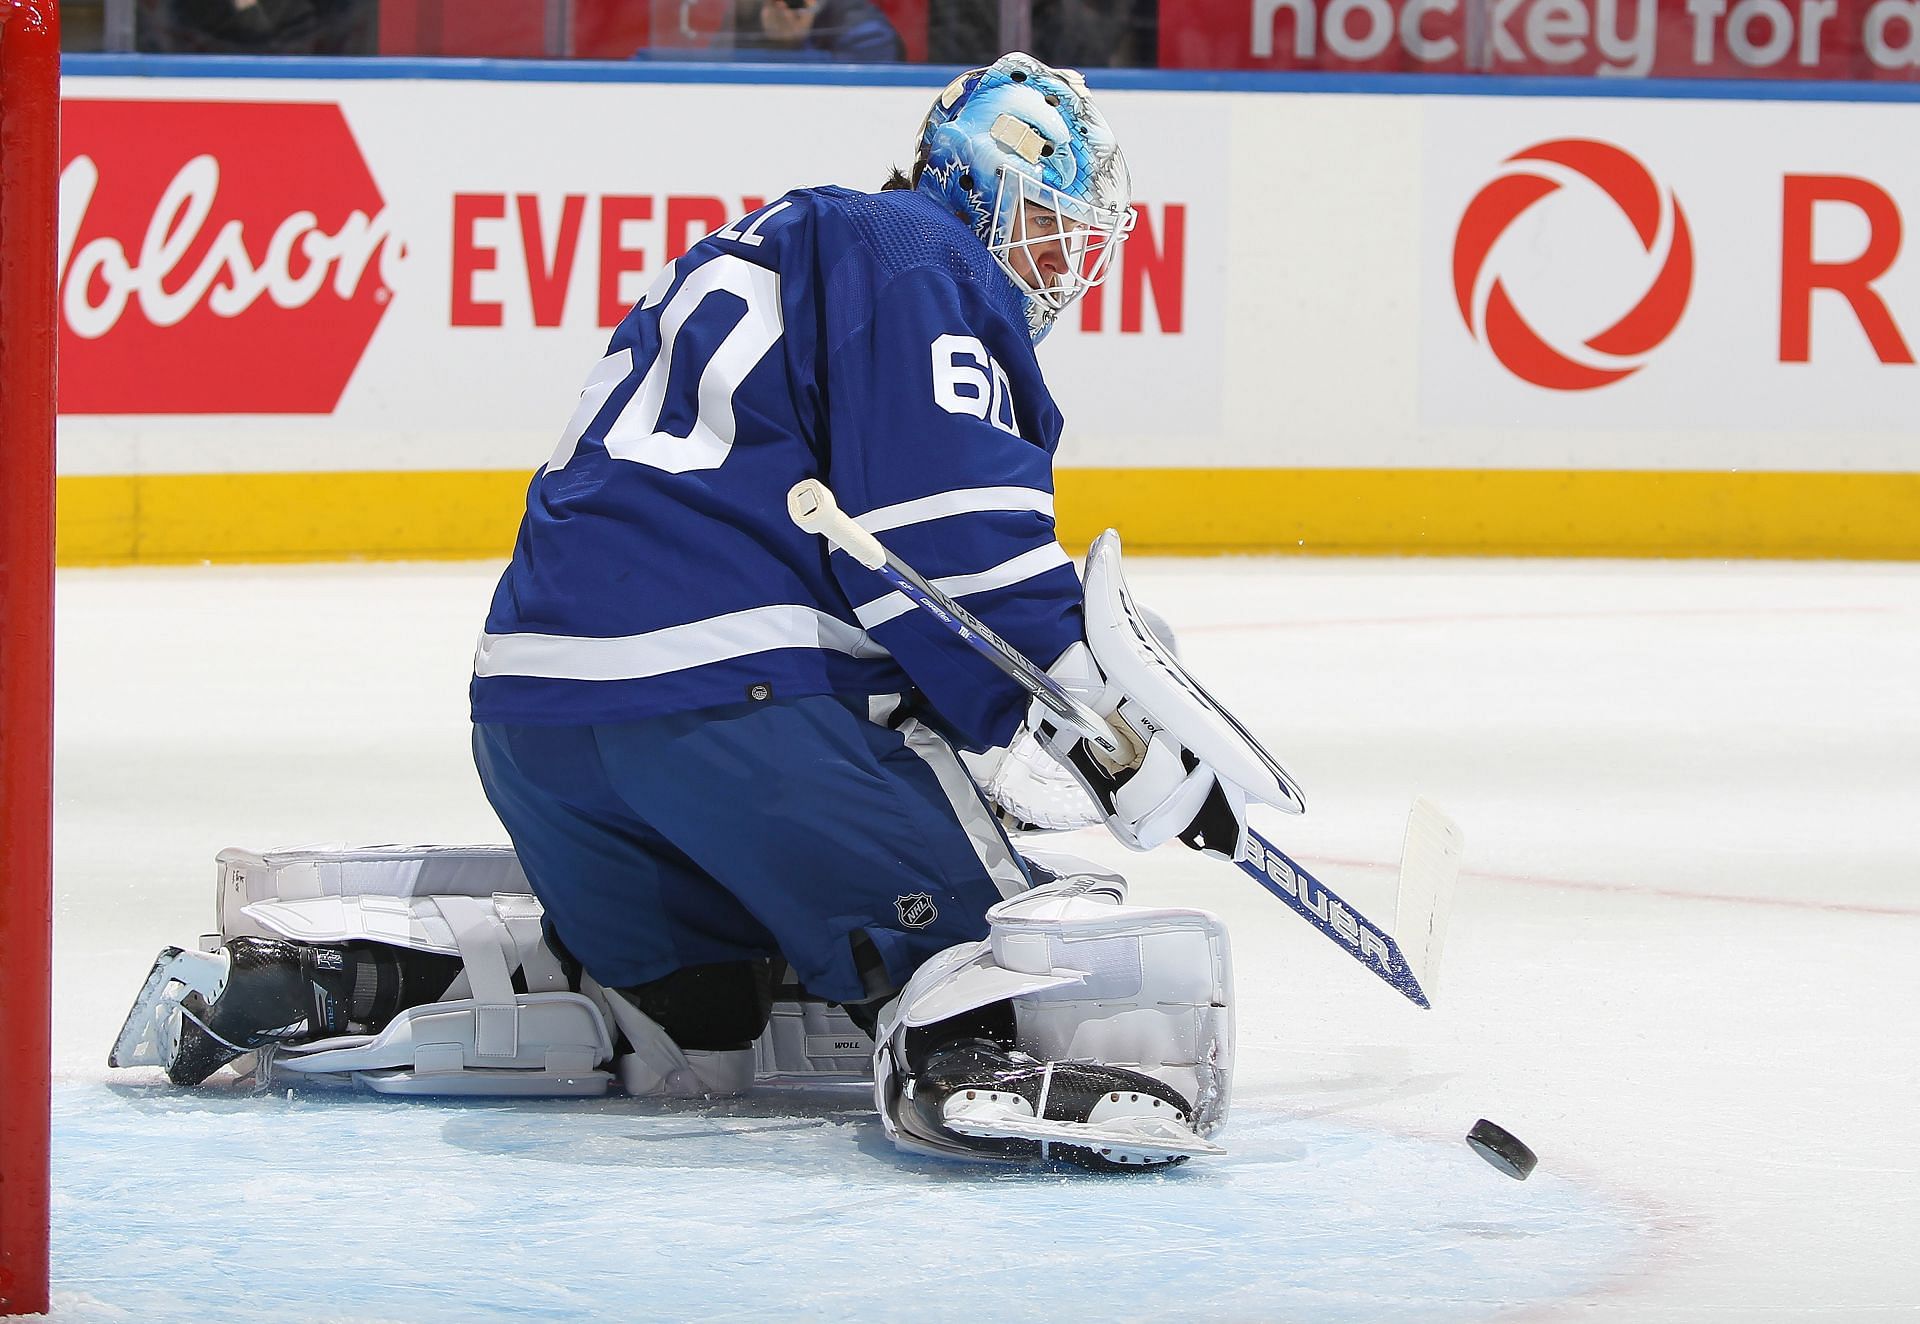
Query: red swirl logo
point(1622, 349)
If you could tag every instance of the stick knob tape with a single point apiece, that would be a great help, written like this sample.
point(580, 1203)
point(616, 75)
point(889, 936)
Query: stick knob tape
point(813, 508)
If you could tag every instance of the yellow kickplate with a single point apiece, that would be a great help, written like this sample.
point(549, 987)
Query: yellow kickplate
point(442, 515)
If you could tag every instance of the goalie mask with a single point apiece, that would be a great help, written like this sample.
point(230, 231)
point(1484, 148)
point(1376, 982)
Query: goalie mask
point(1019, 151)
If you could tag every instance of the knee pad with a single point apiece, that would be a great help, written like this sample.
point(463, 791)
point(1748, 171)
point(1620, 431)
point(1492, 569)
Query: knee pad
point(709, 1008)
point(691, 1033)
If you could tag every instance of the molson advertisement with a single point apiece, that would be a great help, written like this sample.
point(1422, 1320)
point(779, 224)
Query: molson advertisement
point(205, 269)
point(261, 275)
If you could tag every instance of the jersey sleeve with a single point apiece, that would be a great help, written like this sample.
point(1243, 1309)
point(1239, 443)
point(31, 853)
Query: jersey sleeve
point(940, 442)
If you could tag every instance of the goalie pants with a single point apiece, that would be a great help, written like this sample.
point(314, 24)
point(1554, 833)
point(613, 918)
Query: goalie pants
point(797, 828)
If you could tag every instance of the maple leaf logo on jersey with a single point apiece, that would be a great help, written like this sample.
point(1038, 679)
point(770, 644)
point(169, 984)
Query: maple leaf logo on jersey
point(241, 270)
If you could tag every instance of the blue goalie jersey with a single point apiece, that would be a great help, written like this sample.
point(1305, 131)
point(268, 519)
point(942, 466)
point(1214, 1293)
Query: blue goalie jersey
point(868, 340)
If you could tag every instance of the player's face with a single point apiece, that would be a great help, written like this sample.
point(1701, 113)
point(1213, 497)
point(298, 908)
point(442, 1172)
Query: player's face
point(1042, 262)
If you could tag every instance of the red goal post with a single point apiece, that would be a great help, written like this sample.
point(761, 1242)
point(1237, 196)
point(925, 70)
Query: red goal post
point(29, 187)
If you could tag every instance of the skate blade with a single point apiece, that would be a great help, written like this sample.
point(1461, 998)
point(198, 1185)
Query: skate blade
point(151, 1035)
point(1141, 1138)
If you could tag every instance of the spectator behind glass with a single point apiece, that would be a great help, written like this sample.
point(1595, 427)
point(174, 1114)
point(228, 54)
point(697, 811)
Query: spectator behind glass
point(259, 27)
point(1079, 34)
point(842, 31)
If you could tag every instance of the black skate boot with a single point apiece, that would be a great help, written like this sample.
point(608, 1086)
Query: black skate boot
point(199, 1011)
point(978, 1096)
point(273, 992)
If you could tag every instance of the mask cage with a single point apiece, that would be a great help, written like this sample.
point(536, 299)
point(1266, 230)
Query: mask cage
point(1085, 234)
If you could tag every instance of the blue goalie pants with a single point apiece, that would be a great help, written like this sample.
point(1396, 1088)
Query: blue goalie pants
point(780, 828)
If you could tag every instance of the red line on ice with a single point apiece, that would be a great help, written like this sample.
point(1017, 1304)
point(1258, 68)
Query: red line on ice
point(1224, 627)
point(1624, 889)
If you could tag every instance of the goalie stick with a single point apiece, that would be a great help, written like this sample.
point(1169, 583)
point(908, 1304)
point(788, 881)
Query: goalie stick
point(1429, 861)
point(813, 508)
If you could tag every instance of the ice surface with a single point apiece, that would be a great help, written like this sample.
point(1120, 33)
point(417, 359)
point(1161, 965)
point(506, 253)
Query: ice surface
point(1683, 968)
point(775, 1209)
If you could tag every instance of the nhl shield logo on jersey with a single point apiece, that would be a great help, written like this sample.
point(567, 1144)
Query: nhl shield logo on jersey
point(916, 910)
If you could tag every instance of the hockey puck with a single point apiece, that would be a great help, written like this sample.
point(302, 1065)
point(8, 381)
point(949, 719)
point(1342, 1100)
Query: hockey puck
point(1502, 1148)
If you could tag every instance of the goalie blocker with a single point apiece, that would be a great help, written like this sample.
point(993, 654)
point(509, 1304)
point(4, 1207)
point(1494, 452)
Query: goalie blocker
point(1190, 768)
point(1158, 755)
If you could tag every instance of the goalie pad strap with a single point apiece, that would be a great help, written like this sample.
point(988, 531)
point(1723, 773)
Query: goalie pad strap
point(484, 939)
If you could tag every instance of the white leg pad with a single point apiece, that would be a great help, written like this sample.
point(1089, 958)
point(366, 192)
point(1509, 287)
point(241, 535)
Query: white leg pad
point(482, 1037)
point(1148, 989)
point(244, 877)
point(473, 901)
point(812, 1041)
point(560, 1042)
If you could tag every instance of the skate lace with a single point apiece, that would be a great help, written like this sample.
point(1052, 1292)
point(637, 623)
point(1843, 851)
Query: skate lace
point(212, 1033)
point(1040, 1109)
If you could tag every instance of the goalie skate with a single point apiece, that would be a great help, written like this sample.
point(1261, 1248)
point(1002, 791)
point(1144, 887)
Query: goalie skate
point(151, 1035)
point(1154, 1138)
point(1014, 1107)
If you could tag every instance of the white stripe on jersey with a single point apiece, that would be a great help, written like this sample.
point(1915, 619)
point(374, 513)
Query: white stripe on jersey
point(1027, 565)
point(675, 648)
point(990, 844)
point(963, 501)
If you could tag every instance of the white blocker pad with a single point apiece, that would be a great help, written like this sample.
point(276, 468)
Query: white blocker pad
point(1144, 988)
point(1033, 787)
point(1146, 689)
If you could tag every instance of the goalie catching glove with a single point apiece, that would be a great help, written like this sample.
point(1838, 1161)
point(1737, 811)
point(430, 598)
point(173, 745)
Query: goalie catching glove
point(1190, 767)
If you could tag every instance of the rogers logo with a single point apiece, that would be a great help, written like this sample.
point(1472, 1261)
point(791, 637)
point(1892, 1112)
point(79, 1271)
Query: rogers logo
point(241, 269)
point(1621, 349)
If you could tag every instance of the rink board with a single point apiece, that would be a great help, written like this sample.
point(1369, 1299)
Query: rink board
point(165, 519)
point(1334, 330)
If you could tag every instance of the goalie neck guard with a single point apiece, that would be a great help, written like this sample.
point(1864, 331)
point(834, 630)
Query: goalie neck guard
point(1019, 151)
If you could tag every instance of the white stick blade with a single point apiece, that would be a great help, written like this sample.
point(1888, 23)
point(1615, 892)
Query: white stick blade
point(1429, 867)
